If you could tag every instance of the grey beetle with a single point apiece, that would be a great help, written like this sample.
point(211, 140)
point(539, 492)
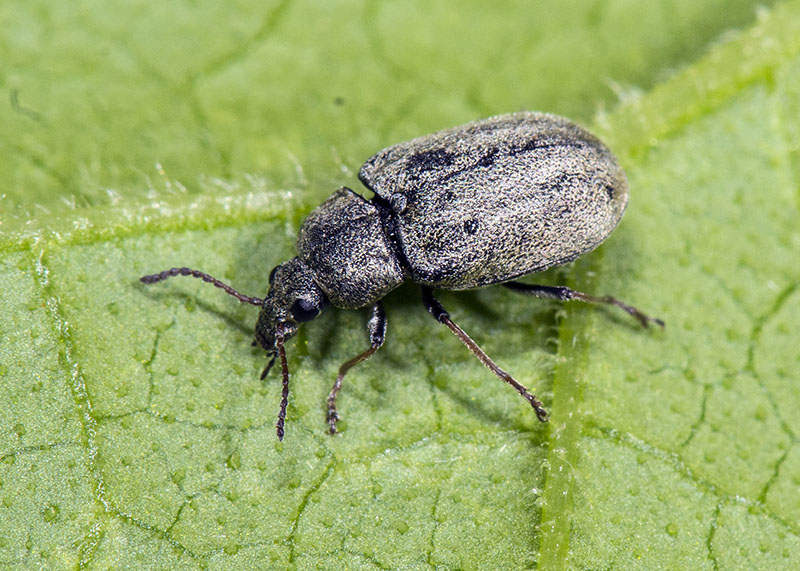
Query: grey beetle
point(476, 205)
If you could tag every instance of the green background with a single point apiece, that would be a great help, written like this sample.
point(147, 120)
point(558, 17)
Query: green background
point(134, 432)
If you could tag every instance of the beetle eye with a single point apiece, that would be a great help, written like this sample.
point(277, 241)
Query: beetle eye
point(304, 310)
point(272, 275)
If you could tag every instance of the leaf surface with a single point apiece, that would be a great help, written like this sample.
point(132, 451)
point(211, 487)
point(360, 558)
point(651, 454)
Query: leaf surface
point(134, 431)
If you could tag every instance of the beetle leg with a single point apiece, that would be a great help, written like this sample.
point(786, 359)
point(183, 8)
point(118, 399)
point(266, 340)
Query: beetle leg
point(441, 315)
point(562, 293)
point(377, 334)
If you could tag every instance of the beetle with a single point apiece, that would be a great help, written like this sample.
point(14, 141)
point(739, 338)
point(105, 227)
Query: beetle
point(476, 205)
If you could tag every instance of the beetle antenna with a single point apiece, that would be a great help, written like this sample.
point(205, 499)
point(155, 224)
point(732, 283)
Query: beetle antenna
point(153, 278)
point(279, 338)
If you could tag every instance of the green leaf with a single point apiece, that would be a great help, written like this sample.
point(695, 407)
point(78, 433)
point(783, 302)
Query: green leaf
point(134, 432)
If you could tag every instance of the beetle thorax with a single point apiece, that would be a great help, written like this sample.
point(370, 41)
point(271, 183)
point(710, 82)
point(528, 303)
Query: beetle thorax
point(346, 248)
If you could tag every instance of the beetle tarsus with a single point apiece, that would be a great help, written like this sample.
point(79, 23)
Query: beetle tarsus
point(332, 418)
point(538, 407)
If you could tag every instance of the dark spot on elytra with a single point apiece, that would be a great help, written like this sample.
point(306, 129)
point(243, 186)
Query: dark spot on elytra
point(539, 143)
point(471, 226)
point(610, 191)
point(430, 160)
point(531, 144)
point(558, 183)
point(488, 159)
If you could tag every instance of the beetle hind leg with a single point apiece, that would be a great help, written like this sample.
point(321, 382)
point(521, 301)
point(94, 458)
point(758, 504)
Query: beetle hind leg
point(440, 314)
point(562, 293)
point(377, 334)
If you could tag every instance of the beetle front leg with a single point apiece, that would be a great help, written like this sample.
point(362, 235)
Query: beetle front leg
point(562, 293)
point(377, 334)
point(440, 314)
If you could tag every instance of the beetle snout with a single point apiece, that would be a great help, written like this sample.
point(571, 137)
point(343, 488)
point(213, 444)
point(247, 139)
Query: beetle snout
point(269, 325)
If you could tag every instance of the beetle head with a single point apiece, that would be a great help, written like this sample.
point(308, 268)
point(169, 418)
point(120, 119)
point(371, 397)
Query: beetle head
point(294, 298)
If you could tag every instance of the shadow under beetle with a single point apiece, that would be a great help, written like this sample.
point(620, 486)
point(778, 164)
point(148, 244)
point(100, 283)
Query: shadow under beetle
point(476, 205)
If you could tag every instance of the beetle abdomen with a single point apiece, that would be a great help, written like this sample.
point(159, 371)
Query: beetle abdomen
point(496, 199)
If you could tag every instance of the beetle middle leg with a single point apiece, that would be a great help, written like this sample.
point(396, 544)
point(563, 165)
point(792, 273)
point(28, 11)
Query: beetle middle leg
point(377, 334)
point(440, 314)
point(562, 293)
